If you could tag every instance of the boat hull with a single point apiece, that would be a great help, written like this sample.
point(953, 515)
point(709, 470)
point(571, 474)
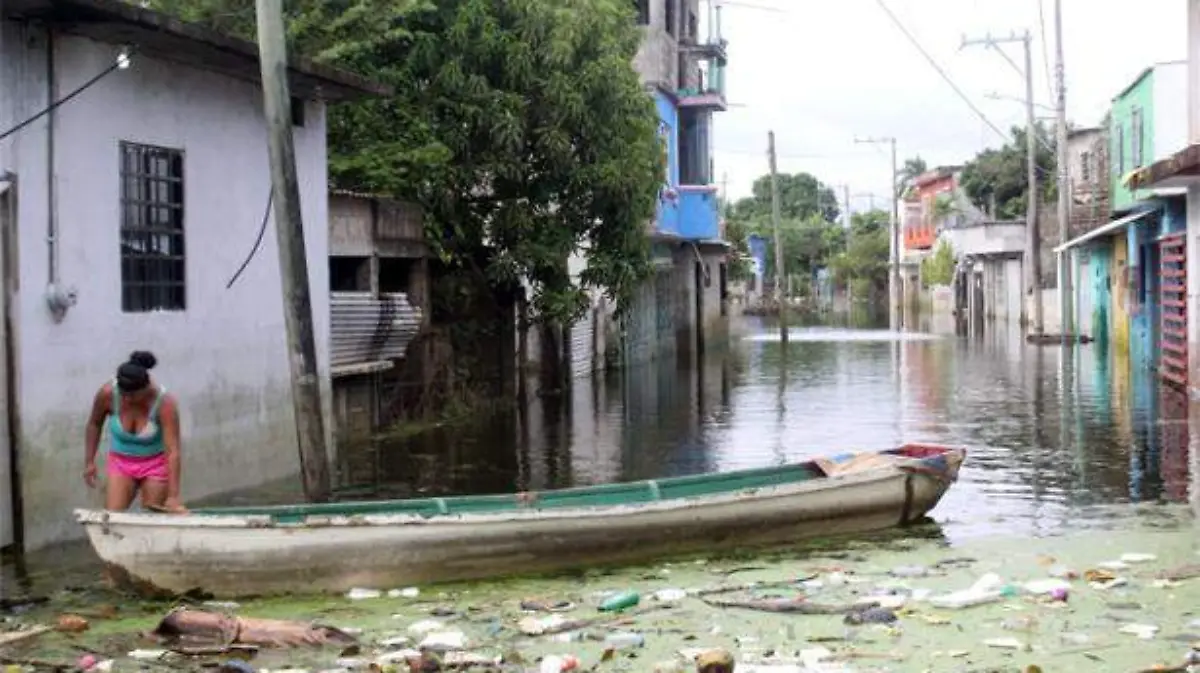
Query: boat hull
point(235, 556)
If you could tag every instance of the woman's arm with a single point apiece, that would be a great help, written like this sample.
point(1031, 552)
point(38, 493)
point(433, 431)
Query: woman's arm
point(170, 427)
point(91, 440)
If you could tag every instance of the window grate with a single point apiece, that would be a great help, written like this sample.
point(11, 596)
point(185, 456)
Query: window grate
point(152, 242)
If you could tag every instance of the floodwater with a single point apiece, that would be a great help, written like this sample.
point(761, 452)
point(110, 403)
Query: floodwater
point(1058, 439)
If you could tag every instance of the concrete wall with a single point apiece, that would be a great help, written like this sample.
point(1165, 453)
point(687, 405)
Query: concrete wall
point(986, 239)
point(225, 355)
point(1080, 144)
point(1170, 110)
point(657, 60)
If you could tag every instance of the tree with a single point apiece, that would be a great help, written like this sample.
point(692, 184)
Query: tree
point(912, 168)
point(944, 208)
point(800, 196)
point(737, 234)
point(938, 268)
point(520, 127)
point(808, 244)
point(864, 263)
point(1000, 176)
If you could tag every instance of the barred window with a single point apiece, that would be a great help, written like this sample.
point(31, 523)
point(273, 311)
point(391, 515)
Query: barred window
point(152, 247)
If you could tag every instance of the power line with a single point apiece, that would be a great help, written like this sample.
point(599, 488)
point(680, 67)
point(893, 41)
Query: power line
point(121, 63)
point(940, 71)
point(1045, 54)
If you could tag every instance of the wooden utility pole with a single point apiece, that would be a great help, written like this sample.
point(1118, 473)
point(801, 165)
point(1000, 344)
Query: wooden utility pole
point(293, 262)
point(894, 281)
point(1066, 314)
point(780, 276)
point(849, 238)
point(1033, 244)
point(1033, 240)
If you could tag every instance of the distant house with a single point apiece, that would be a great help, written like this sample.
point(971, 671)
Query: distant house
point(124, 213)
point(1087, 165)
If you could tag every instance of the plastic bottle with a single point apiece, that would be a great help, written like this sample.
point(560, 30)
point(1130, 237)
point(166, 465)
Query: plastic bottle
point(621, 601)
point(624, 639)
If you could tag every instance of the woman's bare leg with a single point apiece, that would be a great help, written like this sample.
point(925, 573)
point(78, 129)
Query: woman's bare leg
point(154, 494)
point(118, 496)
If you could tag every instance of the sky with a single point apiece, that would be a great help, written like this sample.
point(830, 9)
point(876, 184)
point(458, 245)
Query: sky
point(821, 73)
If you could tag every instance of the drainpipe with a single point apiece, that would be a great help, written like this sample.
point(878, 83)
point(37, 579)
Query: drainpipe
point(58, 298)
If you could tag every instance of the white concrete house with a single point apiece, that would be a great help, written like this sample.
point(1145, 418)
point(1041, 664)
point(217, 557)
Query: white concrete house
point(123, 214)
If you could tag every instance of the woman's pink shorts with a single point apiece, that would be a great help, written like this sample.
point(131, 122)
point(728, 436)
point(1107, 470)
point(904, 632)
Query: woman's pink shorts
point(137, 468)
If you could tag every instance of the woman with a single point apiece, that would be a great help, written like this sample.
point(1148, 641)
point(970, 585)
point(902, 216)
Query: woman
point(143, 426)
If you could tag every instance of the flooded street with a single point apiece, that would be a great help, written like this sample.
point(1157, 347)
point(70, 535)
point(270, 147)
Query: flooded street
point(1086, 455)
point(1056, 442)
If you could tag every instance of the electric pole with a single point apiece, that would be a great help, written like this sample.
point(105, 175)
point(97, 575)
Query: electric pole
point(293, 262)
point(1066, 313)
point(849, 237)
point(897, 315)
point(780, 276)
point(1033, 259)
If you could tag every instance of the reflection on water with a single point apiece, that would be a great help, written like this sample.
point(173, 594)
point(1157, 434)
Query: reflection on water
point(1056, 437)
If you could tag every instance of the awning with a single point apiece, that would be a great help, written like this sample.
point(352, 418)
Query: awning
point(1177, 170)
point(1109, 228)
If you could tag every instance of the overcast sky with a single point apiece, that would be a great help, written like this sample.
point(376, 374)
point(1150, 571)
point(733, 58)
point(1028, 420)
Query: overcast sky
point(820, 73)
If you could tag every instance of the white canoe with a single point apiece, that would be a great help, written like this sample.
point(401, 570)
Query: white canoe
point(334, 547)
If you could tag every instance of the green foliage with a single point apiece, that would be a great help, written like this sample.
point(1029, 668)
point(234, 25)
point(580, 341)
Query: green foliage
point(1000, 175)
point(943, 207)
point(808, 244)
point(864, 263)
point(737, 234)
point(801, 196)
point(912, 168)
point(520, 127)
point(938, 268)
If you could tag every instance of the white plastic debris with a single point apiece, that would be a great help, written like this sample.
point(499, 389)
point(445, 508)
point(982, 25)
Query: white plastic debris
point(444, 641)
point(358, 594)
point(536, 626)
point(812, 657)
point(1143, 631)
point(1047, 586)
point(670, 595)
point(222, 605)
point(1004, 643)
point(408, 592)
point(424, 626)
point(985, 590)
point(394, 641)
point(1138, 558)
point(1113, 565)
point(147, 655)
point(397, 656)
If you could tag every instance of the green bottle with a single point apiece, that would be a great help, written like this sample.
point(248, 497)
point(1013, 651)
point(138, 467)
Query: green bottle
point(621, 601)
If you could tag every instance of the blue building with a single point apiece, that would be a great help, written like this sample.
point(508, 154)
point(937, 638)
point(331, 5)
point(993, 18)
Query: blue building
point(683, 307)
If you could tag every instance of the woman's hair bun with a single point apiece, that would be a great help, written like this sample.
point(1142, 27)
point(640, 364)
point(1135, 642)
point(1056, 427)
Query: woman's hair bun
point(145, 359)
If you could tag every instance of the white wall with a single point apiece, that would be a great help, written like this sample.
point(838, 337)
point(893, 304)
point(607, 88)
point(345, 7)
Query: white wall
point(225, 355)
point(1170, 110)
point(986, 239)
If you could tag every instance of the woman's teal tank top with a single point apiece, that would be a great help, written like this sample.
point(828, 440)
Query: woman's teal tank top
point(145, 444)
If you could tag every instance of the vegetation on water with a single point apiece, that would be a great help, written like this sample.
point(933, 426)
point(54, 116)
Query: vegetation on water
point(1097, 624)
point(521, 128)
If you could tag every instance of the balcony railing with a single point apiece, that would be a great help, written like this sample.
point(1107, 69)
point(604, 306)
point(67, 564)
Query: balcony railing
point(920, 237)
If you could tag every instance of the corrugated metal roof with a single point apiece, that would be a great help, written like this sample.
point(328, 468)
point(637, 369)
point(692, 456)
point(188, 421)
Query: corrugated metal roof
point(368, 328)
